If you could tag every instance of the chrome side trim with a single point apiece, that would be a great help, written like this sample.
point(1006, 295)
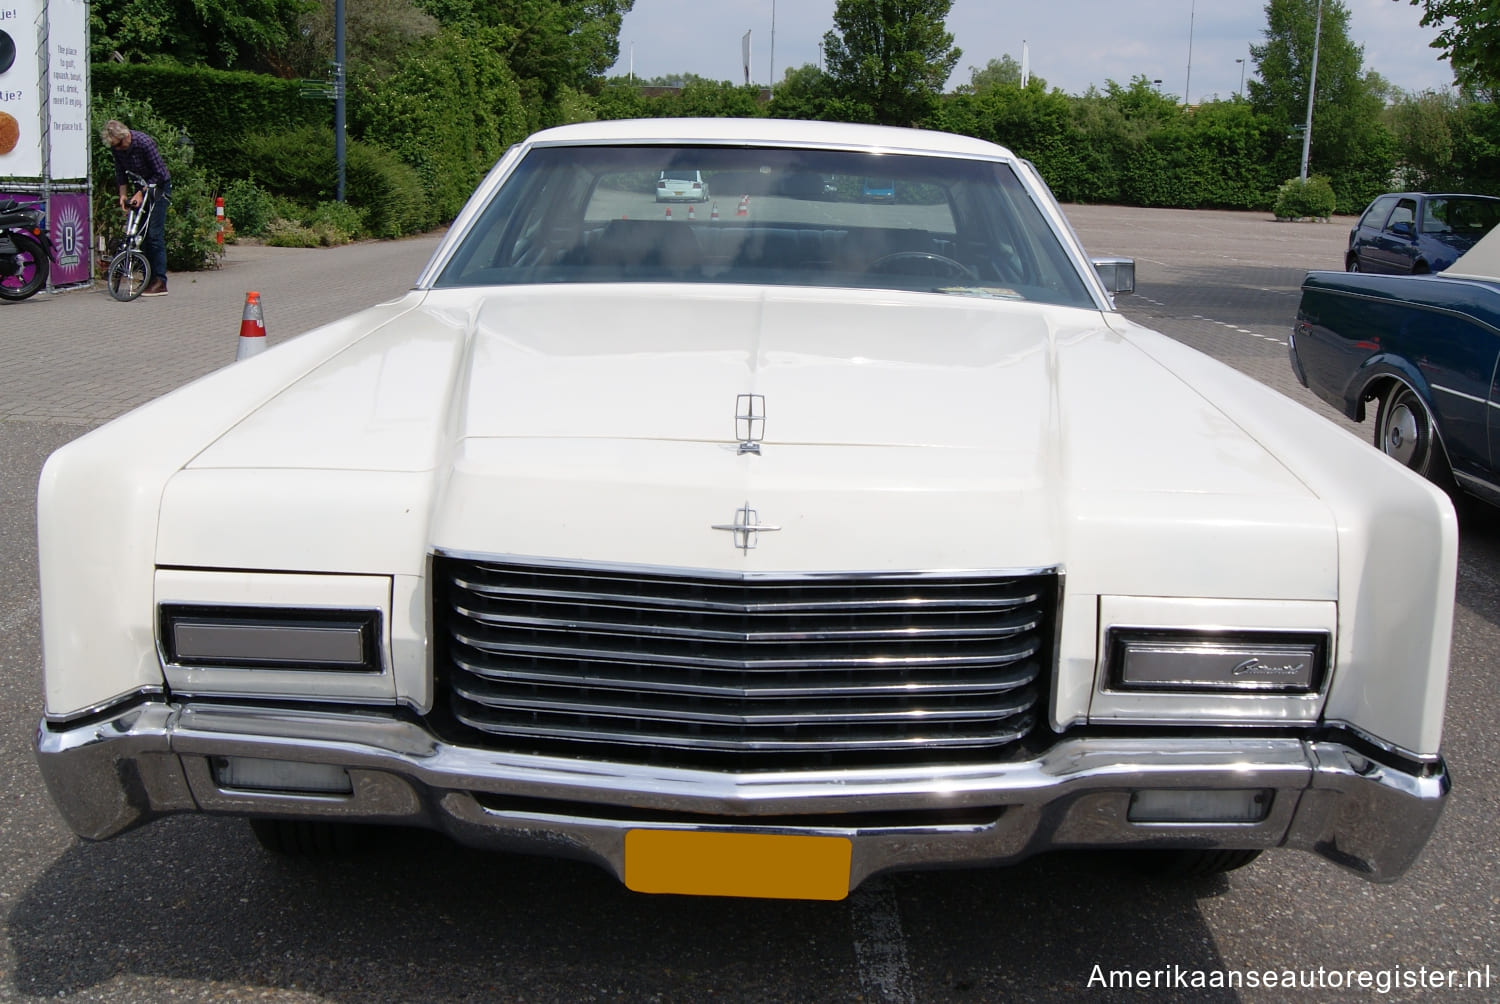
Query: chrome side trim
point(1370, 817)
point(114, 704)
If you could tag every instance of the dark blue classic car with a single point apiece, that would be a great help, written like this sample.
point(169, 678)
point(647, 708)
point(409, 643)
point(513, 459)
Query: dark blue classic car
point(1414, 233)
point(1423, 351)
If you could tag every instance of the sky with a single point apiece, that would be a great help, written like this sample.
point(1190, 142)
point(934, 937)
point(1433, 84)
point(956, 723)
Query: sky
point(1191, 46)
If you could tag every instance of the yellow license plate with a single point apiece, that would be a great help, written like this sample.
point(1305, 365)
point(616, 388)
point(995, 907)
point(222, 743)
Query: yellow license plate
point(758, 865)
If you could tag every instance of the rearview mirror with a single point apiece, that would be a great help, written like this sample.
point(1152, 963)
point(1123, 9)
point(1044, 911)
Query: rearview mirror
point(1117, 274)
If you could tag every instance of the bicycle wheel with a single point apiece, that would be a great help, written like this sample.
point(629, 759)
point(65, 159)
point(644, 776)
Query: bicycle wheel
point(31, 269)
point(128, 274)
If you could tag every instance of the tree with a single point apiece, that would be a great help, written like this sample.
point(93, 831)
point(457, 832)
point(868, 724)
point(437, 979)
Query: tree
point(1469, 39)
point(224, 34)
point(378, 33)
point(1350, 144)
point(890, 58)
point(555, 43)
point(1004, 71)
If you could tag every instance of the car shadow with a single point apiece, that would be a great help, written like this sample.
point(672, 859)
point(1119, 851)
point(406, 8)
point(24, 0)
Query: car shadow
point(415, 917)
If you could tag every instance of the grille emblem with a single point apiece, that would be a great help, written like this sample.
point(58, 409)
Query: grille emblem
point(750, 421)
point(745, 526)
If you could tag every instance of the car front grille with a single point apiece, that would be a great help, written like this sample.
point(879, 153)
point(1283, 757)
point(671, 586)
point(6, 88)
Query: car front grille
point(705, 669)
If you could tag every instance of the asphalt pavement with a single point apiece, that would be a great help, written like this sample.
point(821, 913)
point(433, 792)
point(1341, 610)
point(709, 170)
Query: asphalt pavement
point(190, 909)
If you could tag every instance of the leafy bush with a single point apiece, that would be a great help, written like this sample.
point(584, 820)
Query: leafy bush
point(282, 233)
point(1297, 198)
point(191, 223)
point(248, 206)
point(299, 166)
point(337, 222)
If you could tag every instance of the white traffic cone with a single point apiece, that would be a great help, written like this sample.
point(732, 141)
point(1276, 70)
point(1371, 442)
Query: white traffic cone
point(252, 329)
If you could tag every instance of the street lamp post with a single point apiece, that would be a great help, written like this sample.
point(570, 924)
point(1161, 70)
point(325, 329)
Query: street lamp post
point(1241, 91)
point(1312, 87)
point(1187, 89)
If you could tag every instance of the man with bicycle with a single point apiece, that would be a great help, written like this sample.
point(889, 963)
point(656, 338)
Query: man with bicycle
point(135, 152)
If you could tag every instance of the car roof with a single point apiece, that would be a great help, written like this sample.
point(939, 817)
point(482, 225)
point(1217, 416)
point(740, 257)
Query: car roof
point(771, 132)
point(1437, 195)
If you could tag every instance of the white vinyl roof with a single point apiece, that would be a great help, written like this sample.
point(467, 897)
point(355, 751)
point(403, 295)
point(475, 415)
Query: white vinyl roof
point(772, 132)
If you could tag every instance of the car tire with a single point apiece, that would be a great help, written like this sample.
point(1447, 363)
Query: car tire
point(1405, 432)
point(1351, 264)
point(308, 838)
point(1190, 863)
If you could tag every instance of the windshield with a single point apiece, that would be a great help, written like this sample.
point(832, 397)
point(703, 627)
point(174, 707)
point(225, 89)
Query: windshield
point(783, 217)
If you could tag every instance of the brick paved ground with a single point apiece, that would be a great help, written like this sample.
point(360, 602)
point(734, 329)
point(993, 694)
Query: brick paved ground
point(80, 357)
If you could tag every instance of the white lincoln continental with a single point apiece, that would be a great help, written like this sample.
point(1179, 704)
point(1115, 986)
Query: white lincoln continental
point(752, 550)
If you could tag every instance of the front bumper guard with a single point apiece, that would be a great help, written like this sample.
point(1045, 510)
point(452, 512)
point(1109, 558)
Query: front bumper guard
point(1329, 797)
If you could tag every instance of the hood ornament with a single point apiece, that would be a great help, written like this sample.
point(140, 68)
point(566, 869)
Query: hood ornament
point(750, 422)
point(745, 526)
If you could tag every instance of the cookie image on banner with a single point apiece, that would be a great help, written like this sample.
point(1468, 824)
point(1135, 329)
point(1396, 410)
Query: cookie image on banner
point(10, 132)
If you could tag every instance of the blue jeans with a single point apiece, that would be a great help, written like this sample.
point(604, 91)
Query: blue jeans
point(155, 244)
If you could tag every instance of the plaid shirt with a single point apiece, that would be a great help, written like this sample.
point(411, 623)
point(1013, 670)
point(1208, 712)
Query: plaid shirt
point(143, 158)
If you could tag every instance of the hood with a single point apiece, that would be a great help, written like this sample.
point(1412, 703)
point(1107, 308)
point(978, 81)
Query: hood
point(901, 430)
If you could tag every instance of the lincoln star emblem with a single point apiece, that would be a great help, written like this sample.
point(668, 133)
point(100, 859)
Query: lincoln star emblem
point(745, 526)
point(750, 421)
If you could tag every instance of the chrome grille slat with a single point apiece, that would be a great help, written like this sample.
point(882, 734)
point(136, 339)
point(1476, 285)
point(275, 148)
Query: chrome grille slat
point(879, 661)
point(894, 605)
point(635, 664)
point(831, 684)
point(1002, 734)
point(632, 630)
point(698, 713)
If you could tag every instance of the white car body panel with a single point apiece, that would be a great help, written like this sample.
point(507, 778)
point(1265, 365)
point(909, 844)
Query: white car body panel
point(593, 425)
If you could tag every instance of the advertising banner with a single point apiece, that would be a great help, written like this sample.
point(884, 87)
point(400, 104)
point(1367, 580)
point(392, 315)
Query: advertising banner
point(68, 223)
point(68, 89)
point(20, 88)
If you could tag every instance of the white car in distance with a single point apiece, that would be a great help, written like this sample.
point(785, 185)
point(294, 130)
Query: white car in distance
point(677, 185)
point(751, 555)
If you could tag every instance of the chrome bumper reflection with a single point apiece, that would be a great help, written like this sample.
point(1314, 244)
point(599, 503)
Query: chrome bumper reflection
point(156, 759)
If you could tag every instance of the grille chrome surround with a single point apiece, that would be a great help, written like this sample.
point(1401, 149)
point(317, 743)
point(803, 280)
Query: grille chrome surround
point(648, 664)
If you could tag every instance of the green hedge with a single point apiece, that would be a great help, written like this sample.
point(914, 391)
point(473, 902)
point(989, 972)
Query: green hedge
point(217, 108)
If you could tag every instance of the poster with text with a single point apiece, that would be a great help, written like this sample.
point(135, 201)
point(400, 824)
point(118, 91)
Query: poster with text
point(68, 88)
point(20, 89)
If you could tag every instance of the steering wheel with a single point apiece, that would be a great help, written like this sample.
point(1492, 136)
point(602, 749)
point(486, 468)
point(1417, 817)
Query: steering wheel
point(937, 264)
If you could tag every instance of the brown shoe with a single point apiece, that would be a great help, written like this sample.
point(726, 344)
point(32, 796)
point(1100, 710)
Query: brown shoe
point(156, 287)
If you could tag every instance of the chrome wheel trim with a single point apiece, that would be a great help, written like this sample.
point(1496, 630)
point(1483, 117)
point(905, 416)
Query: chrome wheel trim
point(1406, 431)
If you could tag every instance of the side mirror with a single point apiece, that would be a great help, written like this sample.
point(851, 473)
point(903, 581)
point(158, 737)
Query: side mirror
point(1117, 274)
point(1402, 230)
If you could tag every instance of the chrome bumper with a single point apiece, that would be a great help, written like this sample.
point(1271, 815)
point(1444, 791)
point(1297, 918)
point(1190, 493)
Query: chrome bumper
point(154, 759)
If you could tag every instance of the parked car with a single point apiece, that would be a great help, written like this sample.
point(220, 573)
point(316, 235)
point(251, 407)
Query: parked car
point(752, 556)
point(676, 185)
point(878, 189)
point(1420, 354)
point(1414, 233)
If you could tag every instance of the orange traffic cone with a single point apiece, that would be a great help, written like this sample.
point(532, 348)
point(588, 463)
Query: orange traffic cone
point(715, 214)
point(744, 209)
point(252, 329)
point(669, 212)
point(691, 217)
